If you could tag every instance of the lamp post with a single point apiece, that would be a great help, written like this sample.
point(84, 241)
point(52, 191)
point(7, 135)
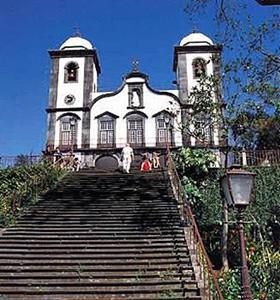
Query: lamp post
point(237, 187)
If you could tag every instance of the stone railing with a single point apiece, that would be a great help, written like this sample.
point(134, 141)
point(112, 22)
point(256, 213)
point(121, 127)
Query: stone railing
point(257, 158)
point(206, 276)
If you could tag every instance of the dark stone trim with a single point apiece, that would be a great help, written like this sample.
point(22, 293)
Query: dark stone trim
point(269, 2)
point(162, 112)
point(77, 53)
point(111, 94)
point(86, 129)
point(67, 109)
point(182, 77)
point(194, 49)
point(106, 95)
point(53, 83)
point(137, 107)
point(136, 74)
point(199, 48)
point(51, 129)
point(106, 146)
point(163, 93)
point(107, 113)
point(186, 105)
point(135, 112)
point(68, 114)
point(88, 80)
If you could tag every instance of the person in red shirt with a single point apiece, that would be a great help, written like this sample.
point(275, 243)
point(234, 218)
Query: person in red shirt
point(146, 165)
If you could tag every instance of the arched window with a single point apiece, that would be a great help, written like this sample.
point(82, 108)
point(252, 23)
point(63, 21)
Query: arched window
point(164, 125)
point(135, 130)
point(203, 130)
point(199, 67)
point(71, 72)
point(106, 130)
point(68, 133)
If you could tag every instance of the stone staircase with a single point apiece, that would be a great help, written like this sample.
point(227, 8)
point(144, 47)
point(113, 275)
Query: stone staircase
point(99, 236)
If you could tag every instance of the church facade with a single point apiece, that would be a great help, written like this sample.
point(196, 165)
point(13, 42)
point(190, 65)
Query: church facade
point(97, 125)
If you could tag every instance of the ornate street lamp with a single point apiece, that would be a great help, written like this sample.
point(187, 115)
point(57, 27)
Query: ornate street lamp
point(237, 186)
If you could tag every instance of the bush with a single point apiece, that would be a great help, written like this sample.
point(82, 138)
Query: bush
point(262, 223)
point(20, 186)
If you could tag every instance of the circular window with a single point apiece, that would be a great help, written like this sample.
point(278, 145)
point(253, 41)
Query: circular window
point(69, 99)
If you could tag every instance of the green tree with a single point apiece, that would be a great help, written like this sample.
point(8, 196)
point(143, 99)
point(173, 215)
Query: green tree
point(250, 67)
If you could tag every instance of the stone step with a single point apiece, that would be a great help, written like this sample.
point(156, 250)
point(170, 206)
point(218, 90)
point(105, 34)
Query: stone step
point(93, 241)
point(96, 269)
point(126, 247)
point(96, 274)
point(102, 226)
point(103, 289)
point(99, 236)
point(77, 260)
point(116, 251)
point(153, 296)
point(88, 254)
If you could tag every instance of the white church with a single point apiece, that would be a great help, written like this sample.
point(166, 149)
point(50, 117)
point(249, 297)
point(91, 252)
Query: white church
point(96, 125)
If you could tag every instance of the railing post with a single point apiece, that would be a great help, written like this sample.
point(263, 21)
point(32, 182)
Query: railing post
point(244, 158)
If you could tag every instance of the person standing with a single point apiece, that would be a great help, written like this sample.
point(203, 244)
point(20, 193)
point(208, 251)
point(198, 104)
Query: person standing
point(127, 157)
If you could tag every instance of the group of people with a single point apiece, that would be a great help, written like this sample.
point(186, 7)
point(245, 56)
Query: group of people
point(148, 161)
point(66, 161)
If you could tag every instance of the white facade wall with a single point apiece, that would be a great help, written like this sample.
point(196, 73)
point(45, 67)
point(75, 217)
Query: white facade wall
point(74, 88)
point(192, 82)
point(190, 58)
point(117, 104)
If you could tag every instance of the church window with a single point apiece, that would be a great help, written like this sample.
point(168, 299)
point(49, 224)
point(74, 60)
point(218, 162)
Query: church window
point(164, 129)
point(135, 130)
point(199, 67)
point(68, 132)
point(71, 72)
point(203, 129)
point(106, 137)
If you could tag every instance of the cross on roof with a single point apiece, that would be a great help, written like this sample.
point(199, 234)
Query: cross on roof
point(194, 27)
point(77, 32)
point(135, 65)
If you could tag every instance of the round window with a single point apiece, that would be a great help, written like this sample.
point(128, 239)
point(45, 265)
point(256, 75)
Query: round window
point(69, 99)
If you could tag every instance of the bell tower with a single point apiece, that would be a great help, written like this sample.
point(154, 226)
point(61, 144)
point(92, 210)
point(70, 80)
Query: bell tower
point(73, 81)
point(195, 56)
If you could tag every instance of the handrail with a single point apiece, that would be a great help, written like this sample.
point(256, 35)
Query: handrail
point(211, 286)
